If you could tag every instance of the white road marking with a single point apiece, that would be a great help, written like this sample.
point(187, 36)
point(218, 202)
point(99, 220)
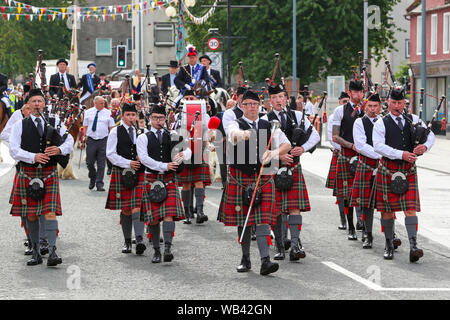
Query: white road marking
point(372, 285)
point(212, 203)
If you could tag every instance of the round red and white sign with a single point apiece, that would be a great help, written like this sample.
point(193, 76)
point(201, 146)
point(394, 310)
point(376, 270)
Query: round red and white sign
point(213, 44)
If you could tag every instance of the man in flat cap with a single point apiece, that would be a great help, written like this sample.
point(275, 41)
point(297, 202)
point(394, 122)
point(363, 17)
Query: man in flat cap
point(61, 78)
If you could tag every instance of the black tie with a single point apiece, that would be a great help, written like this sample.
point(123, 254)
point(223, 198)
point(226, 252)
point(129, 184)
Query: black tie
point(39, 127)
point(159, 136)
point(283, 120)
point(62, 78)
point(399, 122)
point(130, 133)
point(254, 125)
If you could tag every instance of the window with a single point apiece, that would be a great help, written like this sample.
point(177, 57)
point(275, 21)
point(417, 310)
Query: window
point(103, 47)
point(446, 33)
point(433, 47)
point(407, 44)
point(419, 36)
point(130, 44)
point(164, 34)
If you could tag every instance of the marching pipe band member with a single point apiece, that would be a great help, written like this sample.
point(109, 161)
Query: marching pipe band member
point(236, 112)
point(331, 178)
point(361, 191)
point(393, 138)
point(243, 172)
point(127, 177)
point(161, 200)
point(294, 199)
point(36, 185)
point(343, 120)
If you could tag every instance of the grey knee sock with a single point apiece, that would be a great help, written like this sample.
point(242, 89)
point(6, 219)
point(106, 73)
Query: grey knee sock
point(155, 231)
point(294, 225)
point(278, 232)
point(186, 195)
point(25, 225)
point(199, 198)
point(33, 232)
point(168, 229)
point(138, 225)
point(341, 210)
point(52, 227)
point(359, 213)
point(245, 240)
point(284, 220)
point(388, 226)
point(42, 228)
point(369, 219)
point(127, 225)
point(411, 227)
point(262, 232)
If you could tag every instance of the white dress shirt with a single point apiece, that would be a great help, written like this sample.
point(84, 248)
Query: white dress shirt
point(379, 142)
point(111, 148)
point(18, 154)
point(309, 108)
point(16, 116)
point(104, 123)
point(339, 114)
point(228, 117)
point(360, 139)
point(146, 160)
point(313, 139)
point(335, 145)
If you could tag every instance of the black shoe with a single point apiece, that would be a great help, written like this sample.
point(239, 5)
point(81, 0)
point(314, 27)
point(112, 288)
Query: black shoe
point(342, 226)
point(296, 253)
point(36, 257)
point(161, 240)
point(91, 185)
point(245, 265)
point(360, 225)
point(53, 259)
point(280, 255)
point(397, 242)
point(253, 230)
point(352, 234)
point(127, 246)
point(168, 256)
point(27, 243)
point(187, 221)
point(29, 249)
point(414, 253)
point(368, 241)
point(268, 266)
point(100, 189)
point(388, 250)
point(140, 246)
point(287, 244)
point(133, 241)
point(43, 247)
point(156, 256)
point(363, 236)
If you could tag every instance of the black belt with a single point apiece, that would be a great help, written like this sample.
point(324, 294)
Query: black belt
point(22, 164)
point(397, 161)
point(98, 139)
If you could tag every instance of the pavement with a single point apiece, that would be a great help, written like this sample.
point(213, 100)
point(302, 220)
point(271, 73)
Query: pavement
point(90, 242)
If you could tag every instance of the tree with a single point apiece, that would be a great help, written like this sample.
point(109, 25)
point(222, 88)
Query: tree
point(329, 35)
point(20, 40)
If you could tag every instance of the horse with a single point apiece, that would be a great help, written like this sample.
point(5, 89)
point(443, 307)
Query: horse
point(220, 96)
point(3, 120)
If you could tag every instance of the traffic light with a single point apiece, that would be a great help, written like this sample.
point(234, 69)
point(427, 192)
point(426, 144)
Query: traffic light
point(121, 56)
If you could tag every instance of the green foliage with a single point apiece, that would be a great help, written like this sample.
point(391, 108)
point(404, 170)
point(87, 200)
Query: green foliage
point(20, 40)
point(329, 36)
point(402, 75)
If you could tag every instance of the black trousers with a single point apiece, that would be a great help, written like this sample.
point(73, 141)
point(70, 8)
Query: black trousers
point(96, 152)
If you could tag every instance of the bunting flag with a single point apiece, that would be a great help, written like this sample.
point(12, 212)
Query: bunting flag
point(204, 18)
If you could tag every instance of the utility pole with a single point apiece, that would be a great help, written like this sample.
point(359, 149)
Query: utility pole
point(294, 48)
point(424, 57)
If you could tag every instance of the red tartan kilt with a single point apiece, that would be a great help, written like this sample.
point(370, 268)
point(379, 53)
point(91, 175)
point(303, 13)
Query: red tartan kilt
point(198, 173)
point(120, 198)
point(387, 201)
point(362, 187)
point(296, 198)
point(22, 205)
point(171, 207)
point(331, 179)
point(344, 180)
point(232, 211)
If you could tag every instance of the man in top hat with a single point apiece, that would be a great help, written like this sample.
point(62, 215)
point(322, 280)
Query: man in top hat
point(343, 120)
point(214, 75)
point(367, 165)
point(61, 77)
point(37, 167)
point(393, 139)
point(89, 82)
point(192, 73)
point(294, 200)
point(248, 139)
point(168, 80)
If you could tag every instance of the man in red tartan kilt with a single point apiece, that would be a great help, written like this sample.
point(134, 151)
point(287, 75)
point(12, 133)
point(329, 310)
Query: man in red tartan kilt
point(344, 98)
point(343, 120)
point(125, 195)
point(195, 176)
point(248, 139)
point(394, 138)
point(367, 165)
point(36, 185)
point(155, 152)
point(294, 200)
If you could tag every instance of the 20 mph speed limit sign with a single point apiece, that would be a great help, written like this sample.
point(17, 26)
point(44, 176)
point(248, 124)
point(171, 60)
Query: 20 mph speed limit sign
point(213, 44)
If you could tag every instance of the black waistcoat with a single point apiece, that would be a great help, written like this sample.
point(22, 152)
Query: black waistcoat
point(289, 126)
point(346, 130)
point(252, 164)
point(396, 138)
point(125, 147)
point(30, 140)
point(368, 129)
point(238, 112)
point(159, 151)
